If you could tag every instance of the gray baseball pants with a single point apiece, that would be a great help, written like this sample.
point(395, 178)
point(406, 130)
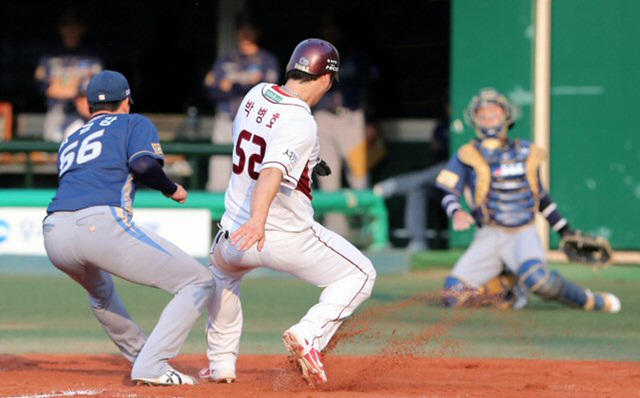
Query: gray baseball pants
point(491, 248)
point(94, 243)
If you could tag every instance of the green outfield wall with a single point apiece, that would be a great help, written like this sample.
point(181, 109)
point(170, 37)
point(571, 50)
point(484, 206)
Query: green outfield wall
point(595, 129)
point(595, 76)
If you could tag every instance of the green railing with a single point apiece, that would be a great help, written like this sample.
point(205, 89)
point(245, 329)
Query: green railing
point(193, 151)
point(348, 202)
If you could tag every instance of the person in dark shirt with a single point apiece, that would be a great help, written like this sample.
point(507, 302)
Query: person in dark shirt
point(60, 73)
point(346, 120)
point(229, 80)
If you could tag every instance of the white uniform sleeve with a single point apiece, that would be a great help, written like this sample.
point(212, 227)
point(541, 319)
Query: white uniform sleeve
point(289, 149)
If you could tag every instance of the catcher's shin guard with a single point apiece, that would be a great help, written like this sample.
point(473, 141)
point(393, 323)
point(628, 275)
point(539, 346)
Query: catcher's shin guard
point(535, 276)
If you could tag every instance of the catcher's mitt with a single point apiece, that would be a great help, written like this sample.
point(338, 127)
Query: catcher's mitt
point(586, 249)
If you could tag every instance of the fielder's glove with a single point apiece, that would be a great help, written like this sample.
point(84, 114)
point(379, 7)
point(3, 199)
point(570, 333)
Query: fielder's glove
point(322, 169)
point(586, 249)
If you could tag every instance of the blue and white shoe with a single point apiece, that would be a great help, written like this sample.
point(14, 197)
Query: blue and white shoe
point(171, 378)
point(602, 301)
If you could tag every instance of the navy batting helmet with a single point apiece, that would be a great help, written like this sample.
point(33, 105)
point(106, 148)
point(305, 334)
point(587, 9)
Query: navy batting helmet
point(315, 57)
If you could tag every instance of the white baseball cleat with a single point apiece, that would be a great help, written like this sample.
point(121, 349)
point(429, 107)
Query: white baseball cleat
point(602, 301)
point(171, 378)
point(611, 303)
point(309, 360)
point(218, 375)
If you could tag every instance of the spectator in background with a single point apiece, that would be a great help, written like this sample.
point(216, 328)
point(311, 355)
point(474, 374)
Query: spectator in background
point(60, 73)
point(419, 186)
point(231, 77)
point(82, 108)
point(345, 118)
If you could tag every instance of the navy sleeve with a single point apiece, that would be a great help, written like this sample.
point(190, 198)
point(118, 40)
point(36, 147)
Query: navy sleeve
point(271, 69)
point(148, 170)
point(212, 82)
point(453, 177)
point(452, 180)
point(549, 210)
point(143, 139)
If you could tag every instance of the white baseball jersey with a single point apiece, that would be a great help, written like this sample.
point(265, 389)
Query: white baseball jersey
point(273, 129)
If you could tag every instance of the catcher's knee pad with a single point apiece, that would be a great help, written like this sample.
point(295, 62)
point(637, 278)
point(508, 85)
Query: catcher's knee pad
point(535, 276)
point(493, 293)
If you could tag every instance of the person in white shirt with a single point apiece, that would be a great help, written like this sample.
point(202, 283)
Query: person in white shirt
point(269, 221)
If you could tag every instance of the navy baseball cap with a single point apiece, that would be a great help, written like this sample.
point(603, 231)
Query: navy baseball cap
point(108, 86)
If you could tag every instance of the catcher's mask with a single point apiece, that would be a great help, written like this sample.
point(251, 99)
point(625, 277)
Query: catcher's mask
point(490, 114)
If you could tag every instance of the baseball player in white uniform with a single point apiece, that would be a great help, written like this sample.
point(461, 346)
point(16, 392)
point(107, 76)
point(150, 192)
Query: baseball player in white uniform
point(269, 219)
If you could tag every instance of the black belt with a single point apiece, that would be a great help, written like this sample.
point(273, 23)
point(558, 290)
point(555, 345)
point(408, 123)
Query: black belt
point(222, 232)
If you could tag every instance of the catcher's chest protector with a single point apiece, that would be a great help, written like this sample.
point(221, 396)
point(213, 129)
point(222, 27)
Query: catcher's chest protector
point(505, 182)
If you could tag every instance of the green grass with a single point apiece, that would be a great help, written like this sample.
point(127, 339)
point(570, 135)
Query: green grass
point(51, 314)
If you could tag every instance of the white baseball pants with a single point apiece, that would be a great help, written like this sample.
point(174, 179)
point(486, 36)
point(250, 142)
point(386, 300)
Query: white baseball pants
point(317, 256)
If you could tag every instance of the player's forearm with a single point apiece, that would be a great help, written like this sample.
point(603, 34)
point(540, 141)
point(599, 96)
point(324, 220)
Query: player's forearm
point(549, 210)
point(148, 170)
point(265, 191)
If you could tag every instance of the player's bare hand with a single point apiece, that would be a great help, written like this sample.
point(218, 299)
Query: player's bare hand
point(247, 235)
point(226, 85)
point(66, 89)
point(180, 195)
point(462, 220)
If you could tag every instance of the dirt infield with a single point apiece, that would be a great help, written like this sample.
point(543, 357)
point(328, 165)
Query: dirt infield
point(46, 376)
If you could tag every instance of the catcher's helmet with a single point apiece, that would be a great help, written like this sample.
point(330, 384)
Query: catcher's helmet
point(315, 57)
point(485, 97)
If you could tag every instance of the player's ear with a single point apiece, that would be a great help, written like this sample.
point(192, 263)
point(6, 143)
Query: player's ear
point(328, 80)
point(125, 106)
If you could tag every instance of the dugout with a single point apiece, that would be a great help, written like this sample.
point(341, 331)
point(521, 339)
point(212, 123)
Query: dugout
point(167, 49)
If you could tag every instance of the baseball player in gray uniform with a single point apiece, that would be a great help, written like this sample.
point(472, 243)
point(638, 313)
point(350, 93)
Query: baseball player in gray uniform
point(505, 192)
point(89, 234)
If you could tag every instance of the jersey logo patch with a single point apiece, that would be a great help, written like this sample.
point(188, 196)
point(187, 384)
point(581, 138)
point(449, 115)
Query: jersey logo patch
point(509, 170)
point(448, 179)
point(273, 96)
point(292, 155)
point(157, 149)
point(302, 64)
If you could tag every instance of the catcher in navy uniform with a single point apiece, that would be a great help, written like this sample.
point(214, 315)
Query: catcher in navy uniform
point(505, 192)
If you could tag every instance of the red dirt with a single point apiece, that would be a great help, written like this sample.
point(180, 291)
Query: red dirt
point(47, 376)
